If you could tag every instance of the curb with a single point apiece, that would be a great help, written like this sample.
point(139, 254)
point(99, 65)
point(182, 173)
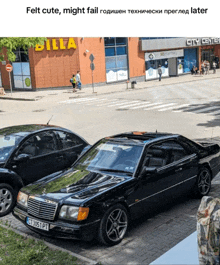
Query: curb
point(20, 99)
point(51, 246)
point(112, 92)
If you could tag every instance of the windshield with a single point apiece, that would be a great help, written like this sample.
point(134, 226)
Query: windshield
point(7, 144)
point(112, 157)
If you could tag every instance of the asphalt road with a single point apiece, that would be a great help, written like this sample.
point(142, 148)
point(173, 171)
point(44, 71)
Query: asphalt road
point(191, 109)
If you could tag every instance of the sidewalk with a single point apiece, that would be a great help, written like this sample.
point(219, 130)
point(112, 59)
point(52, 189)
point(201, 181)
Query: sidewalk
point(66, 92)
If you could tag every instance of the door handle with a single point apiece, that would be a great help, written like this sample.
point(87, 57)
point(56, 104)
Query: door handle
point(178, 169)
point(60, 157)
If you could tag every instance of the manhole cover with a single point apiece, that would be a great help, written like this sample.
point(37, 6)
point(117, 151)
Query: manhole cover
point(1, 110)
point(53, 94)
point(121, 109)
point(39, 110)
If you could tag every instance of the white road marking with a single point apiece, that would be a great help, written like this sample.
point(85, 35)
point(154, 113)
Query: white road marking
point(206, 109)
point(161, 106)
point(146, 105)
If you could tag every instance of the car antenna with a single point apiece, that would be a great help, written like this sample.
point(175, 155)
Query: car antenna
point(49, 120)
point(156, 131)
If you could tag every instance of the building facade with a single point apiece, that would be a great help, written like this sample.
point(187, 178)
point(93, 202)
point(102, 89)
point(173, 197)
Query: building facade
point(116, 59)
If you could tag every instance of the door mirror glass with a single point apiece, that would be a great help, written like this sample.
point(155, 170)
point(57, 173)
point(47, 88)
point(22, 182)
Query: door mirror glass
point(22, 157)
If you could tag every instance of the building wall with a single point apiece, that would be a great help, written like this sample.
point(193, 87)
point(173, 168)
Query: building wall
point(4, 73)
point(86, 47)
point(136, 58)
point(54, 68)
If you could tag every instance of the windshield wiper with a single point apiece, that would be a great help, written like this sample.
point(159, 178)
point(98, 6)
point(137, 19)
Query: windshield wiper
point(115, 170)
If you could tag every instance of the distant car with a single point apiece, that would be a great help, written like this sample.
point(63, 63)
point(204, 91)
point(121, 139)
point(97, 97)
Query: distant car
point(116, 180)
point(30, 152)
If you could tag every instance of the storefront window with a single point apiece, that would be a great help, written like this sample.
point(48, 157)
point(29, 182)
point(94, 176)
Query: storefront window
point(208, 55)
point(190, 59)
point(21, 70)
point(116, 59)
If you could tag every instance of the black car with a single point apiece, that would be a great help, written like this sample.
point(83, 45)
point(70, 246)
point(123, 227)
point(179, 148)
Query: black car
point(30, 152)
point(116, 180)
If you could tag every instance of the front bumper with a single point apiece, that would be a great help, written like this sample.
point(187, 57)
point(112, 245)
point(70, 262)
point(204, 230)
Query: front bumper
point(60, 229)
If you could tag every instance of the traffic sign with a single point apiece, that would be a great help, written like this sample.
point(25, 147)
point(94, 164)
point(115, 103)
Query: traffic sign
point(9, 67)
point(92, 66)
point(91, 57)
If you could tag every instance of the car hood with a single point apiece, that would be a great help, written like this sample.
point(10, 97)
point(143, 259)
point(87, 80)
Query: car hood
point(74, 185)
point(2, 164)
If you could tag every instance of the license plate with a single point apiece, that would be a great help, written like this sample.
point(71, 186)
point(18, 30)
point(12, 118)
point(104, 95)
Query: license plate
point(37, 224)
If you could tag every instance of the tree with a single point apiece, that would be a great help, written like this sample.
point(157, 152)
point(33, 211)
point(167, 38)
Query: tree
point(12, 43)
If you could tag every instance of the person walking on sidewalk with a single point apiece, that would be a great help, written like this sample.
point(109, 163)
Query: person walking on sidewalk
point(208, 66)
point(159, 72)
point(203, 67)
point(214, 67)
point(78, 80)
point(73, 83)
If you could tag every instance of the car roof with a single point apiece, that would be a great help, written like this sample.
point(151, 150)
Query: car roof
point(24, 130)
point(141, 137)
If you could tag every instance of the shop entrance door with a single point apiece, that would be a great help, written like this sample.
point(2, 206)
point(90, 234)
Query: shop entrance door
point(172, 62)
point(208, 55)
point(152, 68)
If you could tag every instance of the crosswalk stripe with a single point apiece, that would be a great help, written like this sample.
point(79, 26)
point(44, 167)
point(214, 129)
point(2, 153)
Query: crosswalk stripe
point(91, 103)
point(130, 104)
point(180, 108)
point(106, 103)
point(121, 102)
point(207, 109)
point(135, 104)
point(157, 107)
point(169, 108)
point(146, 105)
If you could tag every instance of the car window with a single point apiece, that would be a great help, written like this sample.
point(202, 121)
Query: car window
point(39, 144)
point(67, 140)
point(177, 150)
point(7, 145)
point(157, 156)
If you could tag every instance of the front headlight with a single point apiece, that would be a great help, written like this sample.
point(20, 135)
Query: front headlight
point(22, 199)
point(73, 213)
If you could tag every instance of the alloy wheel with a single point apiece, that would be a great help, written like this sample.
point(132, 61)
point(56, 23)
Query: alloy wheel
point(204, 182)
point(6, 199)
point(116, 225)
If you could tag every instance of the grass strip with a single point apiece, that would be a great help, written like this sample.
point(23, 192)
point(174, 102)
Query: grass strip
point(18, 250)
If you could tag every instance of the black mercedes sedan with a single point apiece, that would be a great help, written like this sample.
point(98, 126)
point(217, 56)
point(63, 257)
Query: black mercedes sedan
point(118, 179)
point(30, 152)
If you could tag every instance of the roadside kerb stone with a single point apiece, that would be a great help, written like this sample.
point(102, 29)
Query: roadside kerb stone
point(110, 88)
point(53, 247)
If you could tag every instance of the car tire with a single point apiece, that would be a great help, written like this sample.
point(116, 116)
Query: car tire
point(7, 199)
point(113, 225)
point(203, 183)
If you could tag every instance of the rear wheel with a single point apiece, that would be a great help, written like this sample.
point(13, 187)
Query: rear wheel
point(7, 199)
point(203, 183)
point(113, 225)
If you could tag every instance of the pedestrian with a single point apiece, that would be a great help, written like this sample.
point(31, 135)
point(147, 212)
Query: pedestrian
point(214, 67)
point(208, 66)
point(203, 67)
point(78, 80)
point(73, 81)
point(159, 72)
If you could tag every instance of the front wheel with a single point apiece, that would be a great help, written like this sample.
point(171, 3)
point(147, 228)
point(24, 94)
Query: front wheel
point(113, 225)
point(7, 199)
point(203, 183)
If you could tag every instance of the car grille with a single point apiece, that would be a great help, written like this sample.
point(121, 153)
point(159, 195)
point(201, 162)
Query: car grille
point(41, 208)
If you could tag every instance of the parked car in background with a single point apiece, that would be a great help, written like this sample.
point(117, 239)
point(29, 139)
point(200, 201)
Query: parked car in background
point(30, 152)
point(118, 179)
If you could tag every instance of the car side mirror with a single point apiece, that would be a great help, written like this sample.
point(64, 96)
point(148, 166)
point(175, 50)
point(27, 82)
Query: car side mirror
point(148, 171)
point(22, 158)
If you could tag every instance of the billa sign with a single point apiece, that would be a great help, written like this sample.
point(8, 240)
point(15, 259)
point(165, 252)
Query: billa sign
point(54, 44)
